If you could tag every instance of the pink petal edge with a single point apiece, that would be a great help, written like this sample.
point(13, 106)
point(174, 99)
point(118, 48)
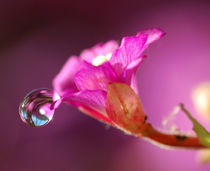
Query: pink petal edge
point(64, 80)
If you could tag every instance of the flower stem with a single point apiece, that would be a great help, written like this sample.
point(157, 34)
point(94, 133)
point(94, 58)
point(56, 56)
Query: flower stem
point(172, 140)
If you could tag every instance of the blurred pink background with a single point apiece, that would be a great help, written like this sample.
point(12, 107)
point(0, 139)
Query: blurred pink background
point(37, 37)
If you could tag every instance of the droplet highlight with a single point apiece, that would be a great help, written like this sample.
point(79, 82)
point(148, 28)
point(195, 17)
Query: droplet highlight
point(36, 108)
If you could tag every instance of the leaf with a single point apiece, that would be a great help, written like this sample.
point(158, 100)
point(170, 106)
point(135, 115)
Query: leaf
point(124, 108)
point(201, 132)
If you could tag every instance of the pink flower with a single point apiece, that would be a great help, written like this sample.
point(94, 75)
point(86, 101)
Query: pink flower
point(101, 82)
point(83, 81)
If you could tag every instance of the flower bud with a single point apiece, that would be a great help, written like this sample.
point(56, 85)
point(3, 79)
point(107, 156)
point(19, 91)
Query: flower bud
point(124, 108)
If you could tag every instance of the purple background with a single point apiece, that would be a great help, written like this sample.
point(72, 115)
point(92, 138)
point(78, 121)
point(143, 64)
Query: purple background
point(37, 37)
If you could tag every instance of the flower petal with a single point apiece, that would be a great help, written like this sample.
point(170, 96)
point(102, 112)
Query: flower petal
point(95, 114)
point(94, 77)
point(64, 80)
point(100, 49)
point(130, 49)
point(153, 35)
point(129, 74)
point(93, 99)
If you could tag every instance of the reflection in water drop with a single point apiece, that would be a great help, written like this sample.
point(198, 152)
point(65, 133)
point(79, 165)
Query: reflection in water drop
point(35, 109)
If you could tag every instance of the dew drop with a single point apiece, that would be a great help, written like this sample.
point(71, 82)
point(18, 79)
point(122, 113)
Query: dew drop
point(36, 107)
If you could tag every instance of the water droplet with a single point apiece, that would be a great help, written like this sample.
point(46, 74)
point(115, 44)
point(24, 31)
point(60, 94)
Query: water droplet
point(36, 107)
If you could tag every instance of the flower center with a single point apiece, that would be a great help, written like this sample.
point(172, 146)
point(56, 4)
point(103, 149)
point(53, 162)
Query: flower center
point(98, 60)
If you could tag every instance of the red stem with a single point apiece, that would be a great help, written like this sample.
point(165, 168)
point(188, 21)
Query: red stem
point(173, 140)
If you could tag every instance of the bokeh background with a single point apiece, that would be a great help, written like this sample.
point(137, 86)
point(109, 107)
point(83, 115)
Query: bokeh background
point(38, 36)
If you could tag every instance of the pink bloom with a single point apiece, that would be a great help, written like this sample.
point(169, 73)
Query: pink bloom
point(83, 81)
